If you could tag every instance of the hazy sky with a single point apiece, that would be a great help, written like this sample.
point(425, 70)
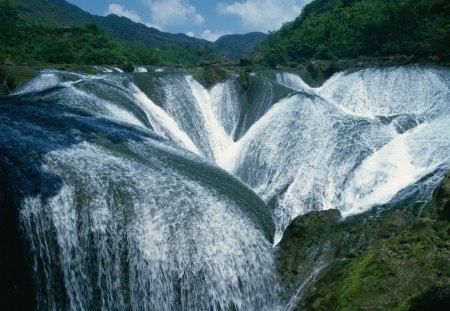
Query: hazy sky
point(207, 19)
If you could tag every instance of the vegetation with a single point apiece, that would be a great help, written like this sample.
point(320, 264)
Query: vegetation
point(334, 29)
point(12, 77)
point(391, 260)
point(213, 75)
point(27, 44)
point(189, 55)
point(239, 46)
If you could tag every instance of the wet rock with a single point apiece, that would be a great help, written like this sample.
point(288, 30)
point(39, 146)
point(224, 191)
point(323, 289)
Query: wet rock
point(372, 261)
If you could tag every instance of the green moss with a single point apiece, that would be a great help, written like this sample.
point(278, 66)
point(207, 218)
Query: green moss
point(214, 75)
point(390, 260)
point(364, 273)
point(12, 76)
point(244, 80)
point(388, 275)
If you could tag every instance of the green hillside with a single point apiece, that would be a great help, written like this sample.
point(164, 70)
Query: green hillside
point(31, 34)
point(333, 29)
point(237, 46)
point(176, 49)
point(60, 13)
point(57, 13)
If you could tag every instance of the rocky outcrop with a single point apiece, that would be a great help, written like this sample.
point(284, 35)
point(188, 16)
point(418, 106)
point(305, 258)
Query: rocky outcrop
point(316, 72)
point(388, 261)
point(11, 77)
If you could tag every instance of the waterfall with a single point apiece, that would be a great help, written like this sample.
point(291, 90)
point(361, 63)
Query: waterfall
point(195, 110)
point(148, 191)
point(119, 218)
point(352, 144)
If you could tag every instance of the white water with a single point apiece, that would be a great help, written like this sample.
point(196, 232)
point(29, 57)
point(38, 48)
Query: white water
point(207, 103)
point(200, 113)
point(351, 158)
point(352, 144)
point(162, 123)
point(141, 69)
point(184, 246)
point(355, 143)
point(292, 81)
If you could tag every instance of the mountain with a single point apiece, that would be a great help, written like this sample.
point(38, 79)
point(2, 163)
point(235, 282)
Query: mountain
point(60, 13)
point(55, 13)
point(127, 30)
point(237, 46)
point(336, 29)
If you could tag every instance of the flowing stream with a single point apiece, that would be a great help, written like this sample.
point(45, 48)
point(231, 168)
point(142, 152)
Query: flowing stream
point(150, 192)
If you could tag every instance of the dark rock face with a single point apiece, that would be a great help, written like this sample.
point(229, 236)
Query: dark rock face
point(127, 66)
point(387, 261)
point(16, 287)
point(12, 76)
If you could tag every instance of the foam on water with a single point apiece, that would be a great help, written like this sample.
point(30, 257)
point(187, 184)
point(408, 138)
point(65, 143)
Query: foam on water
point(124, 220)
point(356, 144)
point(298, 155)
point(162, 123)
point(389, 91)
point(136, 222)
point(226, 106)
point(292, 80)
point(141, 69)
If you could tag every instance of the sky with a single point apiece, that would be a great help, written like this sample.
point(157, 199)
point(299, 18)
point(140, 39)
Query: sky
point(206, 19)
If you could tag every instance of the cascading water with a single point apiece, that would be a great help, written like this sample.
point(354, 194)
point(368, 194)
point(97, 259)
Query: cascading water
point(118, 218)
point(119, 214)
point(352, 144)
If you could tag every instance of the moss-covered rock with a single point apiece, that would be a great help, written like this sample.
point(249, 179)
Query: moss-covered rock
point(127, 66)
point(392, 260)
point(12, 76)
point(85, 69)
point(244, 80)
point(213, 75)
point(387, 275)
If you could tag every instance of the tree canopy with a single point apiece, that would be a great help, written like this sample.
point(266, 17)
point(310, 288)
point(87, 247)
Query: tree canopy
point(332, 29)
point(24, 43)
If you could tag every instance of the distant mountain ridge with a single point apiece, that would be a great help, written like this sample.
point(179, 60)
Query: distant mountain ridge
point(238, 46)
point(346, 29)
point(60, 13)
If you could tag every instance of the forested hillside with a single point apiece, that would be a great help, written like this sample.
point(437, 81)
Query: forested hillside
point(332, 29)
point(237, 46)
point(32, 28)
point(22, 42)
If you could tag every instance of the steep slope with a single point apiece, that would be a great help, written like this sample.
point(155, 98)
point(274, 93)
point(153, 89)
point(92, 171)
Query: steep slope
point(127, 30)
point(52, 13)
point(239, 46)
point(60, 13)
point(373, 261)
point(329, 29)
point(112, 216)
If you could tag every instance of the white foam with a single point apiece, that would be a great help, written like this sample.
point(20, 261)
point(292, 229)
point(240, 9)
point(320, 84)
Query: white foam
point(292, 81)
point(163, 123)
point(180, 243)
point(141, 69)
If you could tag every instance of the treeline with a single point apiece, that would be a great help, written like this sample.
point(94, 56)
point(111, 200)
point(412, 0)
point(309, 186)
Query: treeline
point(334, 29)
point(22, 43)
